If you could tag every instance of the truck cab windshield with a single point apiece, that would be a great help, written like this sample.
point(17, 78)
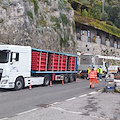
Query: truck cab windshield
point(4, 56)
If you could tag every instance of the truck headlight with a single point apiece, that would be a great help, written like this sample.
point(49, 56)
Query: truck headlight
point(4, 81)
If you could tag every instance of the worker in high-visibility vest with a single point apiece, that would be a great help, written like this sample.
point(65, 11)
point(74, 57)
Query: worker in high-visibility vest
point(100, 73)
point(96, 75)
point(88, 70)
point(93, 76)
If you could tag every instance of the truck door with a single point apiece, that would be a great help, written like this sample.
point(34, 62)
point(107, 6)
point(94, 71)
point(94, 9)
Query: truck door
point(14, 64)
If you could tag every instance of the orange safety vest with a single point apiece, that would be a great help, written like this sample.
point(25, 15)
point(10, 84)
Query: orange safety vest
point(92, 74)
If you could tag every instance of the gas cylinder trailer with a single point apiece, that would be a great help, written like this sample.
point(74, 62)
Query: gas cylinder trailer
point(21, 66)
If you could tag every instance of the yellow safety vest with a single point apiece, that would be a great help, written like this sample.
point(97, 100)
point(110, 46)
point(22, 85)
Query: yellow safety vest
point(97, 70)
point(101, 70)
point(88, 70)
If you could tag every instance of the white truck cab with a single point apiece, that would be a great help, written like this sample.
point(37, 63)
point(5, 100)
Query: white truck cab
point(15, 63)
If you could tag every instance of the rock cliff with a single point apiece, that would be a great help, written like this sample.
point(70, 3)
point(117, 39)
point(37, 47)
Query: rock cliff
point(43, 24)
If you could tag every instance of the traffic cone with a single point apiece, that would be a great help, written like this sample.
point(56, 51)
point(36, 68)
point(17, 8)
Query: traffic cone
point(76, 80)
point(50, 83)
point(62, 82)
point(97, 81)
point(30, 87)
point(84, 78)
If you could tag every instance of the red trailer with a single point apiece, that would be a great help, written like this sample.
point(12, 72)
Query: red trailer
point(54, 65)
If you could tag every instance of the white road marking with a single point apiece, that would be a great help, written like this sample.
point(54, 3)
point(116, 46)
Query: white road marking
point(4, 118)
point(56, 103)
point(83, 95)
point(93, 116)
point(79, 113)
point(104, 118)
point(92, 92)
point(27, 111)
point(100, 90)
point(71, 99)
point(60, 109)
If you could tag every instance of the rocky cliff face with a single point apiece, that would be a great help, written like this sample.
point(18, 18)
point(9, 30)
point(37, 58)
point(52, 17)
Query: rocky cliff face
point(43, 24)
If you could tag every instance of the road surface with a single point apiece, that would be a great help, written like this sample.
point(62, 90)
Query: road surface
point(15, 102)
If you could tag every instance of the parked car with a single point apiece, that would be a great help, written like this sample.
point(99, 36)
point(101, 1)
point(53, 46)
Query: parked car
point(83, 74)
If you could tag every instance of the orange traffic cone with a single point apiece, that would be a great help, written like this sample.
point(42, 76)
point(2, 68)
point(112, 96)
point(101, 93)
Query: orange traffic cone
point(50, 83)
point(76, 80)
point(30, 87)
point(62, 82)
point(97, 81)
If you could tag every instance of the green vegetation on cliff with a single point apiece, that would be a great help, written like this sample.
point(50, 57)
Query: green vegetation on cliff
point(104, 16)
point(60, 27)
point(35, 5)
point(98, 24)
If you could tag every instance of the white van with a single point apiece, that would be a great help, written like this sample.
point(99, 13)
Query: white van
point(113, 69)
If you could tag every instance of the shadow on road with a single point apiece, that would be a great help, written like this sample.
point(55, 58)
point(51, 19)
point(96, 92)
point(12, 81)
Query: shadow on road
point(36, 86)
point(5, 90)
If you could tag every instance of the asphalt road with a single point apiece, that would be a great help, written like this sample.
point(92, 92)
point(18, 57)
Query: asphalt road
point(14, 102)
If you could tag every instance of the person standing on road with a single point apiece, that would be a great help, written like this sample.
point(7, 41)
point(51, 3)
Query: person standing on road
point(96, 75)
point(100, 73)
point(88, 70)
point(93, 76)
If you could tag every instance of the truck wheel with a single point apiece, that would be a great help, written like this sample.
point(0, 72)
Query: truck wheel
point(72, 77)
point(66, 78)
point(47, 79)
point(18, 83)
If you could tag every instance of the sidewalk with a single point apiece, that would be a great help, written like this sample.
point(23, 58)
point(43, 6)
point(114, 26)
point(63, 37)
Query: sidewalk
point(92, 106)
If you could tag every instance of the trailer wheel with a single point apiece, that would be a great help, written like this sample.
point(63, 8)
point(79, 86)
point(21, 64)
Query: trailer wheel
point(47, 79)
point(18, 83)
point(66, 78)
point(72, 77)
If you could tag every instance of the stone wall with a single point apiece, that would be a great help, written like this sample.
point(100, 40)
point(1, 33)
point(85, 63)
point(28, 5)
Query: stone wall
point(97, 49)
point(44, 24)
